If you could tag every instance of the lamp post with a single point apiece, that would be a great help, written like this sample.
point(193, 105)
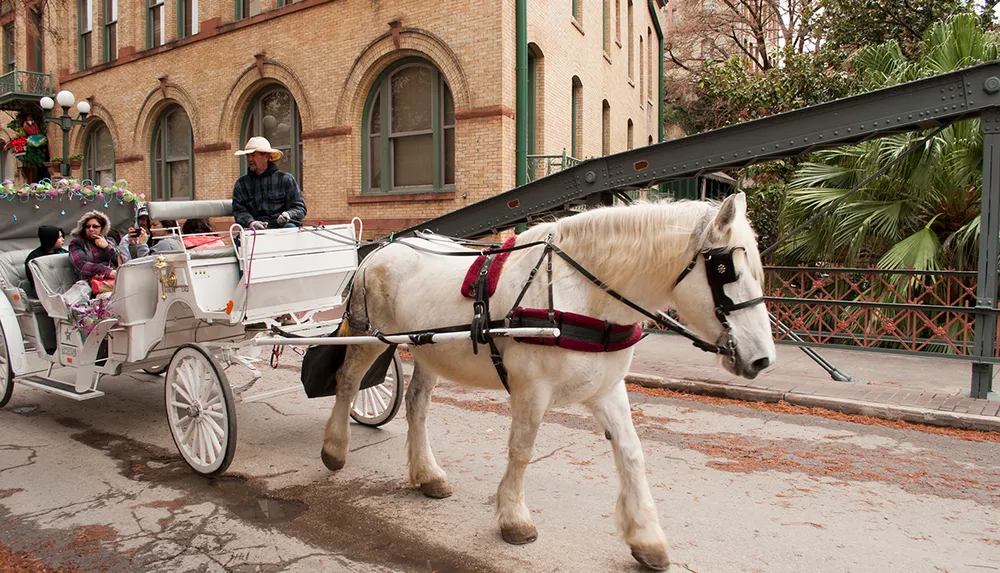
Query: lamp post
point(64, 121)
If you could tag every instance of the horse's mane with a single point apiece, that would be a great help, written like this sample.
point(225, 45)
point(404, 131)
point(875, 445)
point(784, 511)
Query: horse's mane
point(657, 237)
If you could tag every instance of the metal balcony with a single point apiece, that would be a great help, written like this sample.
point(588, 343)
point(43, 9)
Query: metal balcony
point(20, 88)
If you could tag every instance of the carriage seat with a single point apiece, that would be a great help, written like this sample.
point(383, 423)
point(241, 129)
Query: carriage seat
point(54, 275)
point(14, 282)
point(203, 209)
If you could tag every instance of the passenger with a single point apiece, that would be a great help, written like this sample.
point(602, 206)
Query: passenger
point(150, 238)
point(137, 235)
point(195, 235)
point(51, 239)
point(96, 260)
point(266, 197)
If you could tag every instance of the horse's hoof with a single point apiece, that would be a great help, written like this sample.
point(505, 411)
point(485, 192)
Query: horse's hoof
point(654, 558)
point(437, 489)
point(332, 463)
point(519, 534)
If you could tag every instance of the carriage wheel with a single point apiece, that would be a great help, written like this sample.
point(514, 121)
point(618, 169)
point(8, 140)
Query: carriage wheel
point(6, 373)
point(201, 411)
point(378, 405)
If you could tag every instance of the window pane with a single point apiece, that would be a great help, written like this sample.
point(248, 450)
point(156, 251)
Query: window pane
point(158, 179)
point(376, 124)
point(105, 177)
point(449, 106)
point(157, 27)
point(375, 162)
point(411, 99)
point(180, 179)
point(113, 41)
point(253, 7)
point(105, 149)
point(179, 134)
point(276, 109)
point(449, 156)
point(413, 160)
point(187, 17)
point(87, 50)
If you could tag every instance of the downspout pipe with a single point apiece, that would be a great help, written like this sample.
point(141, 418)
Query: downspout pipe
point(659, 89)
point(521, 111)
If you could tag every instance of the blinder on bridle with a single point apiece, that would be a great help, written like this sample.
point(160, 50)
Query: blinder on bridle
point(720, 270)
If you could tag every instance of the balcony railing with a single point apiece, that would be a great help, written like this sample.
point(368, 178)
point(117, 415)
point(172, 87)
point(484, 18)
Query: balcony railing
point(544, 165)
point(25, 82)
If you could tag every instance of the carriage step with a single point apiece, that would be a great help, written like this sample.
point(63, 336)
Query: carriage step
point(58, 387)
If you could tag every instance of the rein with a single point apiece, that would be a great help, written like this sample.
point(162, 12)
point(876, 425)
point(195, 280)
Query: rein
point(719, 259)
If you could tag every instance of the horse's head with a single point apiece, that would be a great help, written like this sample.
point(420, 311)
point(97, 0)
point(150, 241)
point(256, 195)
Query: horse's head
point(719, 292)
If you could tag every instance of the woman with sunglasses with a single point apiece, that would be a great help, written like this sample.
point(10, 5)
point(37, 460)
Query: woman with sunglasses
point(94, 256)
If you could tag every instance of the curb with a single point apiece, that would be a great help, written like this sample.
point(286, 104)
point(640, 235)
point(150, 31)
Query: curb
point(843, 405)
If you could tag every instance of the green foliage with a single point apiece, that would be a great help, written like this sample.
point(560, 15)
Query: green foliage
point(33, 157)
point(923, 213)
point(847, 25)
point(731, 91)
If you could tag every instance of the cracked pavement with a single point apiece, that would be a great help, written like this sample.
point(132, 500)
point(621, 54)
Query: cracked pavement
point(99, 486)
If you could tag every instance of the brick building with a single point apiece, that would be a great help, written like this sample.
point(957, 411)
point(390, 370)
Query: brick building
point(391, 111)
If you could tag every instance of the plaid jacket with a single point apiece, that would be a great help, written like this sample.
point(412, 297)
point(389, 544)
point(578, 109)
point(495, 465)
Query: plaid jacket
point(264, 197)
point(91, 261)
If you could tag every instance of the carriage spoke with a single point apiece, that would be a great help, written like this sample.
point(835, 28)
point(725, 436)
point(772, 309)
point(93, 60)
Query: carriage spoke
point(177, 388)
point(367, 401)
point(214, 414)
point(178, 405)
point(381, 401)
point(195, 445)
point(210, 452)
point(216, 428)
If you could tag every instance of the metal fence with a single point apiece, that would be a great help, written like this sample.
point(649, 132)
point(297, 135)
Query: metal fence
point(544, 165)
point(898, 311)
point(24, 82)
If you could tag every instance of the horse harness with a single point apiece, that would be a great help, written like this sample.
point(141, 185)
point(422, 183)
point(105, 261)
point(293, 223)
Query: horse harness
point(578, 332)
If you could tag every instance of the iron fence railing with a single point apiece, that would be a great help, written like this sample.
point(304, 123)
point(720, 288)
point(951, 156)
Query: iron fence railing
point(873, 309)
point(25, 82)
point(544, 165)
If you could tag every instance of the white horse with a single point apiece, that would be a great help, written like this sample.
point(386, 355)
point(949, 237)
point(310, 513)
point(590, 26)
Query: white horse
point(640, 251)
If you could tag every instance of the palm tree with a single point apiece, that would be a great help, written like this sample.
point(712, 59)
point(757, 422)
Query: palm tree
point(923, 213)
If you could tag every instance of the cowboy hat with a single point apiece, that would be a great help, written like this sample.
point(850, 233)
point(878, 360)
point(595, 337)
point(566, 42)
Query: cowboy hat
point(255, 144)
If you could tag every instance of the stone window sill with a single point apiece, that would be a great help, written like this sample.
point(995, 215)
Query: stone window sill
point(401, 197)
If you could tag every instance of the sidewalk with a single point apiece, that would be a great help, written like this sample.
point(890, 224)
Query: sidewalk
point(915, 389)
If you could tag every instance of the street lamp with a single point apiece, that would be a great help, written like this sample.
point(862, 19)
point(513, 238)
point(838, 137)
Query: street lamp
point(65, 122)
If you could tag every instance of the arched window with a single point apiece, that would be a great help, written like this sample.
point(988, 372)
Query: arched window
point(173, 156)
point(409, 130)
point(99, 155)
point(274, 115)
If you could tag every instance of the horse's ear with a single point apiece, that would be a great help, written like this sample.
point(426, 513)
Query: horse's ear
point(733, 205)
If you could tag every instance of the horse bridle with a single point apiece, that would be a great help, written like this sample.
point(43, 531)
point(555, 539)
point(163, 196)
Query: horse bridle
point(720, 270)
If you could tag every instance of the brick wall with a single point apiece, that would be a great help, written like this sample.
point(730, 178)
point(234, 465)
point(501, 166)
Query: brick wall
point(328, 53)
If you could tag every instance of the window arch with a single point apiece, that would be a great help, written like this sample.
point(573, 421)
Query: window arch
point(173, 156)
point(274, 115)
point(408, 130)
point(99, 155)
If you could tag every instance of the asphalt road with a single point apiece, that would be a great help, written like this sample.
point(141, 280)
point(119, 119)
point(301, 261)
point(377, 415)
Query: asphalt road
point(99, 486)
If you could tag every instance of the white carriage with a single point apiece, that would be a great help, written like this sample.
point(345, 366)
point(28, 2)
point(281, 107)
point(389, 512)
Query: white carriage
point(188, 313)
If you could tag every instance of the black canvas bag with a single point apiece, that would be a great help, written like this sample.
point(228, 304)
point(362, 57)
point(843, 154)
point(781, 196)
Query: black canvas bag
point(320, 365)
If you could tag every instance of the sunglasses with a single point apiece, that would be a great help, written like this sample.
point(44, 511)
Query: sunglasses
point(93, 226)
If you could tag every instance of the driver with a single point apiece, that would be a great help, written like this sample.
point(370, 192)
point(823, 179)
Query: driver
point(266, 197)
